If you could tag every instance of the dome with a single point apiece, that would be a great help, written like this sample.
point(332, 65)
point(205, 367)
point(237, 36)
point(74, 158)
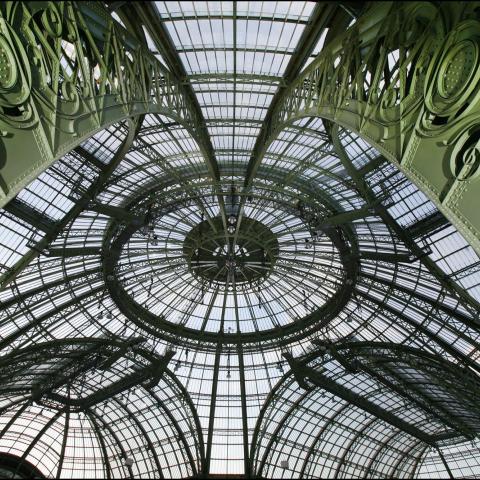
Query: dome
point(239, 239)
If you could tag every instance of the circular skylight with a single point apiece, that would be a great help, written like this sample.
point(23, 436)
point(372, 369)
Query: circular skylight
point(179, 272)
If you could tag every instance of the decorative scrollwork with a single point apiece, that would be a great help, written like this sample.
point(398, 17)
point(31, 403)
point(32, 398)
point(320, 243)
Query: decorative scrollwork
point(66, 70)
point(15, 75)
point(454, 71)
point(378, 67)
point(52, 21)
point(83, 62)
point(465, 159)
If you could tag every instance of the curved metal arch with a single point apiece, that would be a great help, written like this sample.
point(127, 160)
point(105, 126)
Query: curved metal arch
point(279, 426)
point(313, 196)
point(150, 322)
point(132, 82)
point(352, 443)
point(23, 469)
point(470, 322)
point(326, 89)
point(265, 173)
point(77, 208)
point(445, 366)
point(334, 88)
point(311, 450)
point(39, 435)
point(119, 444)
point(401, 459)
point(145, 435)
point(229, 167)
point(22, 296)
point(103, 447)
point(121, 345)
point(199, 436)
point(382, 447)
point(312, 190)
point(47, 316)
point(64, 442)
point(58, 343)
point(354, 439)
point(367, 193)
point(378, 351)
point(15, 416)
point(419, 327)
point(419, 459)
point(263, 410)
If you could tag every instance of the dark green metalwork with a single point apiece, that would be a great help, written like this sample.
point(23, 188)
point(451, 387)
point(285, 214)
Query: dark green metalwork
point(413, 91)
point(322, 381)
point(403, 77)
point(119, 79)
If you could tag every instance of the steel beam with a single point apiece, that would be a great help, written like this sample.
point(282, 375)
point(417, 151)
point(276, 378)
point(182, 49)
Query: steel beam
point(414, 446)
point(145, 435)
point(470, 322)
point(425, 404)
point(47, 316)
point(432, 336)
point(131, 82)
point(275, 435)
point(213, 402)
point(101, 441)
point(93, 414)
point(301, 372)
point(30, 215)
point(79, 206)
point(386, 257)
point(14, 418)
point(67, 252)
point(369, 196)
point(46, 286)
point(319, 436)
point(148, 16)
point(354, 439)
point(347, 216)
point(90, 158)
point(64, 441)
point(196, 420)
point(37, 437)
point(243, 396)
point(118, 213)
point(433, 222)
point(151, 374)
point(319, 20)
point(440, 454)
point(181, 433)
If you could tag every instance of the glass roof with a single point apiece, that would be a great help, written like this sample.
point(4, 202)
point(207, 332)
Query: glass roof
point(171, 301)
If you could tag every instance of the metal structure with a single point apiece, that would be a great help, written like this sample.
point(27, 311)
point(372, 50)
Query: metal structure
point(239, 238)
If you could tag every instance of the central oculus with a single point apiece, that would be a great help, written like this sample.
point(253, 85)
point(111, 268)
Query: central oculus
point(216, 256)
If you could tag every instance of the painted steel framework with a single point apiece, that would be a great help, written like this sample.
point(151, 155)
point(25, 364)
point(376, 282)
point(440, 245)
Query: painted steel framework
point(239, 239)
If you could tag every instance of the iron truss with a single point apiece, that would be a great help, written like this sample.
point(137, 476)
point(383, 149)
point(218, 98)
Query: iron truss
point(239, 239)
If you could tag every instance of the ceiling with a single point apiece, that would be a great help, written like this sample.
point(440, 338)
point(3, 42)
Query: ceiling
point(314, 316)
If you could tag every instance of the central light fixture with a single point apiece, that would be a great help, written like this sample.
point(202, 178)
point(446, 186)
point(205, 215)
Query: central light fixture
point(232, 220)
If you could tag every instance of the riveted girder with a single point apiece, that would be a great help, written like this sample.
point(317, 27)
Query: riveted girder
point(397, 87)
point(99, 74)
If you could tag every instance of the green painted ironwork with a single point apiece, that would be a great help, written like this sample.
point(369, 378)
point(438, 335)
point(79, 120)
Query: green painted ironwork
point(408, 84)
point(68, 70)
